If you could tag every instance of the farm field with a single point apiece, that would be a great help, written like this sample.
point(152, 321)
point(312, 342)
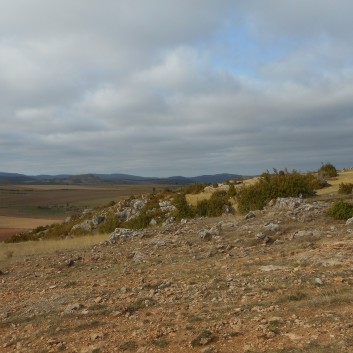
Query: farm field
point(27, 207)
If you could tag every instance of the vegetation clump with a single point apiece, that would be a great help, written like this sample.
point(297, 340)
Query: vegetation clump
point(271, 186)
point(345, 188)
point(327, 170)
point(341, 210)
point(195, 188)
point(215, 206)
point(184, 210)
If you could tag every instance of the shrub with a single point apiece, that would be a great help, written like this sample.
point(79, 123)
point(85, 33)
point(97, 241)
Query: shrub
point(202, 208)
point(271, 186)
point(213, 207)
point(341, 210)
point(184, 210)
point(217, 202)
point(232, 191)
point(110, 223)
point(345, 188)
point(327, 171)
point(140, 222)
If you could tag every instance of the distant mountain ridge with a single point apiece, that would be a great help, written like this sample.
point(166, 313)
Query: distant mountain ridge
point(115, 178)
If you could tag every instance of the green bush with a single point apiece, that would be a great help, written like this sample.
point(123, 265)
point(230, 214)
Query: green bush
point(341, 210)
point(217, 202)
point(271, 186)
point(110, 223)
point(345, 188)
point(327, 171)
point(184, 210)
point(232, 191)
point(140, 222)
point(213, 207)
point(202, 208)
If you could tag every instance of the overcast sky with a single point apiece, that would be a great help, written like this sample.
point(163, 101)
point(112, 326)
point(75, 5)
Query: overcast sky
point(175, 87)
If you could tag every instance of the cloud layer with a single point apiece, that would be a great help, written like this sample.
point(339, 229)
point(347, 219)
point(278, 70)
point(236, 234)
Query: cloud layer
point(174, 87)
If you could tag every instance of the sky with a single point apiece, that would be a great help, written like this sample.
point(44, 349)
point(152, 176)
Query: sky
point(175, 87)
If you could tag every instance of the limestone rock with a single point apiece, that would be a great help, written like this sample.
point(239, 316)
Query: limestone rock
point(98, 219)
point(349, 221)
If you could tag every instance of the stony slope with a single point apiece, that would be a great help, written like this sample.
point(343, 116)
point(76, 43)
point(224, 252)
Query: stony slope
point(278, 280)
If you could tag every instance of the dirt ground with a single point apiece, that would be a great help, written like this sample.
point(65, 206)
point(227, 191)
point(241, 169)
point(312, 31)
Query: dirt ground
point(276, 281)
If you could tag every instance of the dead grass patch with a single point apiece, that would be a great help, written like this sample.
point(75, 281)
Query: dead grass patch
point(343, 177)
point(28, 248)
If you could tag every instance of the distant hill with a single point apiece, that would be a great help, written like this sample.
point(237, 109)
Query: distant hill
point(116, 178)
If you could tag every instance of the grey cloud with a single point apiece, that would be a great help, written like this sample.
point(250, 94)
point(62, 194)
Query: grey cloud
point(141, 87)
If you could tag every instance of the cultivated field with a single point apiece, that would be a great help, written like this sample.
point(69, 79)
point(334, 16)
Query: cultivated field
point(30, 206)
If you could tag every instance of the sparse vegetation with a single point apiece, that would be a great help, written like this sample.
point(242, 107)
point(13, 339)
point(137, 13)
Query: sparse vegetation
point(128, 346)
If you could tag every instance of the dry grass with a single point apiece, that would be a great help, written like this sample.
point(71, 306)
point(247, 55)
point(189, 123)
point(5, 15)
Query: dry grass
point(19, 250)
point(343, 177)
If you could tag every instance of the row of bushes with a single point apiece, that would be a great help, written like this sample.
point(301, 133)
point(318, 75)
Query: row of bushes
point(213, 207)
point(271, 186)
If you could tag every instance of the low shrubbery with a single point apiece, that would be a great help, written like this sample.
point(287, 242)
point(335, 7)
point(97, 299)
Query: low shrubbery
point(195, 188)
point(271, 186)
point(110, 223)
point(341, 210)
point(345, 188)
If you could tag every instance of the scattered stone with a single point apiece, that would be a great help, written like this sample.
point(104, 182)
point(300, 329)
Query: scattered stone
point(272, 227)
point(288, 202)
point(153, 222)
point(98, 300)
point(73, 307)
point(139, 204)
point(69, 262)
point(96, 220)
point(261, 236)
point(250, 215)
point(302, 233)
point(86, 226)
point(318, 282)
point(349, 221)
point(97, 335)
point(125, 233)
point(168, 221)
point(205, 234)
point(204, 338)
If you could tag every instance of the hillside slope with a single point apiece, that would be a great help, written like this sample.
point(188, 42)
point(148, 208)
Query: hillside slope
point(276, 281)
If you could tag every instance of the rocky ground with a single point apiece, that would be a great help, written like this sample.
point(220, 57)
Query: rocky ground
point(278, 280)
